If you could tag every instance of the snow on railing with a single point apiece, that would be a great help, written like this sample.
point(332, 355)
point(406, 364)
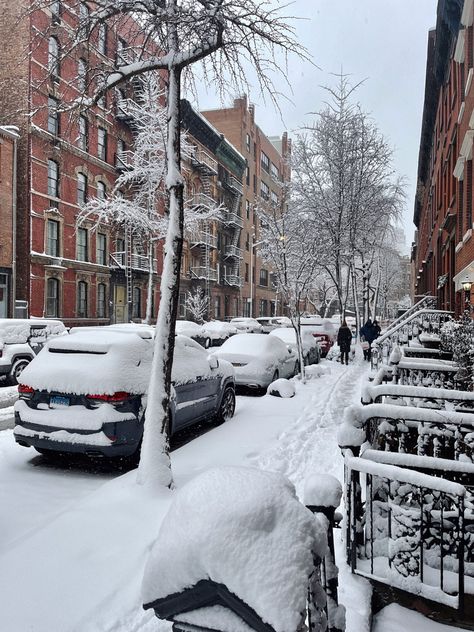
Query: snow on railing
point(420, 396)
point(408, 529)
point(214, 565)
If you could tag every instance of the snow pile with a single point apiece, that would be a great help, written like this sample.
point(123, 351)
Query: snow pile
point(242, 528)
point(333, 353)
point(281, 388)
point(322, 490)
point(18, 330)
point(316, 370)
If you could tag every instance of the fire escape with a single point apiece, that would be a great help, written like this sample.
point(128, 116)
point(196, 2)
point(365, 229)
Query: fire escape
point(204, 241)
point(232, 254)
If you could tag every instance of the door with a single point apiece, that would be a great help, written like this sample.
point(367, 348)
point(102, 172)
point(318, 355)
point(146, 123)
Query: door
point(120, 306)
point(3, 296)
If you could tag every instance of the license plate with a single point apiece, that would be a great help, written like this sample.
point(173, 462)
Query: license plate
point(57, 401)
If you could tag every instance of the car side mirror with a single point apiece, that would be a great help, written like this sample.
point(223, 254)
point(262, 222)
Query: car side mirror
point(213, 362)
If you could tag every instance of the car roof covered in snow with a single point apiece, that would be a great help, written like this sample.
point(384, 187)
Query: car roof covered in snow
point(251, 344)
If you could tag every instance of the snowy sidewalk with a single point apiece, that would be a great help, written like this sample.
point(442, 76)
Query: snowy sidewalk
point(77, 566)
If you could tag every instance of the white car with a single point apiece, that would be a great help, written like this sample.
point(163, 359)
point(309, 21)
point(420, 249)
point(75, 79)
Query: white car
point(247, 325)
point(219, 331)
point(270, 323)
point(258, 359)
point(311, 350)
point(194, 331)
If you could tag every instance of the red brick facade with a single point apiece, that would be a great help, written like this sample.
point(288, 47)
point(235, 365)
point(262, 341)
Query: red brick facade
point(262, 185)
point(8, 152)
point(443, 252)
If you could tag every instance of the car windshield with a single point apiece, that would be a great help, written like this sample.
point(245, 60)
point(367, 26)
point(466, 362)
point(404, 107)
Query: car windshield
point(252, 344)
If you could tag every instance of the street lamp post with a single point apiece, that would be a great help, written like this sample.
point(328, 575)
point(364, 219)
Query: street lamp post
point(466, 286)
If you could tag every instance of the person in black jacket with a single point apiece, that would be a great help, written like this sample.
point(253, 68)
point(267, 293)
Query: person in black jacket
point(344, 339)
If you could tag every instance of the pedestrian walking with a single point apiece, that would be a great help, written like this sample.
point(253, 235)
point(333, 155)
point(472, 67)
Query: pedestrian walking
point(367, 337)
point(344, 339)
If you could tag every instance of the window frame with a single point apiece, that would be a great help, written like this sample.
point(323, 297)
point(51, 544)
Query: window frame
point(101, 252)
point(53, 115)
point(53, 179)
point(54, 57)
point(52, 250)
point(83, 136)
point(82, 299)
point(81, 191)
point(101, 300)
point(52, 298)
point(82, 244)
point(102, 143)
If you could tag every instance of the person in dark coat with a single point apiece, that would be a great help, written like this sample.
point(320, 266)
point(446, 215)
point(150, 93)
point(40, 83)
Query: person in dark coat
point(367, 335)
point(376, 329)
point(344, 339)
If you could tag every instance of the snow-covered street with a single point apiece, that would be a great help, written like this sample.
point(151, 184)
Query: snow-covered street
point(81, 538)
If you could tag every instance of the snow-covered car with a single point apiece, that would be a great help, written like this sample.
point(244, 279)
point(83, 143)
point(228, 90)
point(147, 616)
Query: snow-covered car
point(270, 323)
point(21, 339)
point(258, 359)
point(86, 393)
point(247, 325)
point(322, 329)
point(219, 331)
point(194, 331)
point(311, 350)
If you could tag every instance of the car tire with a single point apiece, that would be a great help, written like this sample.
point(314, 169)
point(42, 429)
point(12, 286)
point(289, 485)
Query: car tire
point(227, 406)
point(16, 371)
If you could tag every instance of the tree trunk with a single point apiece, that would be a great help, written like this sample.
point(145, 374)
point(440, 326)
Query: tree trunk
point(149, 293)
point(155, 464)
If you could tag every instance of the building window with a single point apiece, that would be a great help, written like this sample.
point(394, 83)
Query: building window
point(82, 299)
point(247, 142)
point(246, 272)
point(101, 302)
point(264, 161)
point(55, 8)
point(101, 143)
point(53, 179)
point(81, 244)
point(102, 39)
point(52, 238)
point(217, 307)
point(82, 140)
point(274, 198)
point(81, 189)
point(120, 245)
point(53, 58)
point(264, 190)
point(247, 176)
point(254, 183)
point(82, 75)
point(52, 298)
point(263, 307)
point(137, 303)
point(101, 249)
point(53, 116)
point(101, 191)
point(247, 209)
point(274, 171)
point(263, 277)
point(83, 20)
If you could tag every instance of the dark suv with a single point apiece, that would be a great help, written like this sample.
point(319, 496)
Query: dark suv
point(86, 393)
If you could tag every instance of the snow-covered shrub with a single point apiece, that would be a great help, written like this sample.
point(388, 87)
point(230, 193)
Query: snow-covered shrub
point(281, 388)
point(333, 353)
point(457, 336)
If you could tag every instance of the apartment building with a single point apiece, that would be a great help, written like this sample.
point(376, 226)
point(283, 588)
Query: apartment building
point(8, 193)
point(443, 251)
point(81, 274)
point(267, 170)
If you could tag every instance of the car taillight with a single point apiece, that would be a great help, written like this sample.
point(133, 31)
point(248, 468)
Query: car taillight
point(120, 396)
point(25, 391)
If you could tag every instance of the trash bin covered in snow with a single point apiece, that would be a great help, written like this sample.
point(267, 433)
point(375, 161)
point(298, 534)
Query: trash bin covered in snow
point(236, 552)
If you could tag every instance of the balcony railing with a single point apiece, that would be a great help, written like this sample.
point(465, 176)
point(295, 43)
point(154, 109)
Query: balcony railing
point(137, 262)
point(203, 161)
point(204, 272)
point(232, 219)
point(203, 239)
point(201, 199)
point(233, 251)
point(126, 109)
point(232, 183)
point(233, 279)
point(124, 160)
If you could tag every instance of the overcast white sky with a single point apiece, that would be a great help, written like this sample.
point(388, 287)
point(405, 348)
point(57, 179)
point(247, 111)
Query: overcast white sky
point(383, 41)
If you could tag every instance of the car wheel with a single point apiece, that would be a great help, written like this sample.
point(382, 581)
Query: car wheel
point(227, 407)
point(17, 370)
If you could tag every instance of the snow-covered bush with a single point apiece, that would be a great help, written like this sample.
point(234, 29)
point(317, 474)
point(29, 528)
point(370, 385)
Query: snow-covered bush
point(281, 388)
point(333, 353)
point(457, 336)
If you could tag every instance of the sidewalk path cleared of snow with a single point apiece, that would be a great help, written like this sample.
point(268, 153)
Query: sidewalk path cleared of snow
point(76, 546)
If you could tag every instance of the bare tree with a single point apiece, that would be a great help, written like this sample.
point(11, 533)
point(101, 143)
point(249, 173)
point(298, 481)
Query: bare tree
point(197, 304)
point(171, 36)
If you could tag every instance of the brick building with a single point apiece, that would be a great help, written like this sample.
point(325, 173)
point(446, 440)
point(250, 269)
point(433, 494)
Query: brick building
point(8, 193)
point(267, 168)
point(212, 256)
point(443, 251)
point(76, 274)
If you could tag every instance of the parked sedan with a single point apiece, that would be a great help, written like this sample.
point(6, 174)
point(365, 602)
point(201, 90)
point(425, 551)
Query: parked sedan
point(258, 359)
point(86, 393)
point(311, 350)
point(270, 323)
point(194, 331)
point(247, 325)
point(219, 331)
